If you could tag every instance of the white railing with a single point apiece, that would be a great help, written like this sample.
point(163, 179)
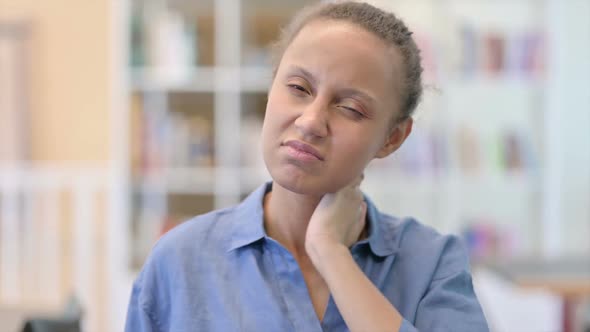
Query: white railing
point(53, 239)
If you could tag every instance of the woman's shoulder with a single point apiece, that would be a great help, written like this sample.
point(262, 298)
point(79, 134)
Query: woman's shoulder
point(211, 234)
point(410, 229)
point(421, 241)
point(200, 234)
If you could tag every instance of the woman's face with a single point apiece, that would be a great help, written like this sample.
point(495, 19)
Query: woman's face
point(330, 107)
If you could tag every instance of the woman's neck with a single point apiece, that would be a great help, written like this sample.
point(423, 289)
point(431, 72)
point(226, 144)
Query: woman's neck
point(286, 216)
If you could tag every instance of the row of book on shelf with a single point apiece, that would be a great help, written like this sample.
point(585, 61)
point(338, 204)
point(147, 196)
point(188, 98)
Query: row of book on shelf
point(170, 139)
point(486, 238)
point(431, 152)
point(479, 52)
point(519, 53)
point(162, 37)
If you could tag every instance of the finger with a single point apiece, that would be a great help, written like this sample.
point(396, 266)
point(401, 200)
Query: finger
point(363, 211)
point(362, 220)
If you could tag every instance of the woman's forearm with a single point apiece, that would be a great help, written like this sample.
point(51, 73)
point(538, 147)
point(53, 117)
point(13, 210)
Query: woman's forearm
point(360, 303)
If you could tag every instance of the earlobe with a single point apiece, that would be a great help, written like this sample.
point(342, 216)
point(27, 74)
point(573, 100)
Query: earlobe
point(395, 138)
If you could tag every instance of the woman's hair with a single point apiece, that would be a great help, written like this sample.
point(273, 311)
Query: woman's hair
point(384, 25)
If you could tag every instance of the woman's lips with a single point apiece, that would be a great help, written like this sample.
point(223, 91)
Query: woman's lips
point(302, 151)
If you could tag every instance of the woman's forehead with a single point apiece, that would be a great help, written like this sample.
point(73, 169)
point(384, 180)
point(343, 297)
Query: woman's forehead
point(341, 52)
point(338, 33)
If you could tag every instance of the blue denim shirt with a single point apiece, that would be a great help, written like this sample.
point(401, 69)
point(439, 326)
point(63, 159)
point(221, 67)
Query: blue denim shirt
point(221, 272)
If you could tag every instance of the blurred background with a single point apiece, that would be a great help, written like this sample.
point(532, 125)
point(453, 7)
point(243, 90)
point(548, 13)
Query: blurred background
point(120, 119)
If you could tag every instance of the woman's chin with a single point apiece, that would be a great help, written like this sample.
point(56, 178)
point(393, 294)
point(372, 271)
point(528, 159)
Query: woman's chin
point(303, 184)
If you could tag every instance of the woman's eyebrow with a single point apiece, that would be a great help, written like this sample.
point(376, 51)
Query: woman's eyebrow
point(304, 72)
point(360, 94)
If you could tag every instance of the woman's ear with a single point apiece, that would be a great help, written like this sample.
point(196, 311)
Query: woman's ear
point(396, 137)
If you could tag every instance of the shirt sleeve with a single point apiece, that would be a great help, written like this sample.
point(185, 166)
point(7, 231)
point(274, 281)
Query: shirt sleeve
point(450, 304)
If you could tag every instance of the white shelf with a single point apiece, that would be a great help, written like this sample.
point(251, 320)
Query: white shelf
point(200, 180)
point(503, 82)
point(180, 180)
point(256, 79)
point(457, 183)
point(202, 79)
point(498, 184)
point(194, 79)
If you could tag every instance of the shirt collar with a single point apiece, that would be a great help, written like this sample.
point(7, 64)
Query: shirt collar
point(381, 239)
point(248, 224)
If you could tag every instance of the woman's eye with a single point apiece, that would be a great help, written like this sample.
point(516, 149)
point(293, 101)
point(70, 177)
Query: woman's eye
point(297, 87)
point(353, 111)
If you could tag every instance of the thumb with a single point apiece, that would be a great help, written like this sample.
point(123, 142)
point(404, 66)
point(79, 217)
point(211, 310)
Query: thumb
point(359, 227)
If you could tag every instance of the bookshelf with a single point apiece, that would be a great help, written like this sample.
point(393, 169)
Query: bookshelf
point(475, 157)
point(479, 137)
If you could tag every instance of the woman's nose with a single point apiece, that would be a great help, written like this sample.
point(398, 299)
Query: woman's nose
point(313, 121)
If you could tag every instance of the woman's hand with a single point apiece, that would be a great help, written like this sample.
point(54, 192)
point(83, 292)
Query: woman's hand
point(338, 220)
point(335, 225)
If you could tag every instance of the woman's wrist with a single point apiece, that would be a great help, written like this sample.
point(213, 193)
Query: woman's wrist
point(323, 251)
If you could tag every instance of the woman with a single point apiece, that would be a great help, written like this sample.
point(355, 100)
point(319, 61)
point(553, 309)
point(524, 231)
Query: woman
point(308, 252)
